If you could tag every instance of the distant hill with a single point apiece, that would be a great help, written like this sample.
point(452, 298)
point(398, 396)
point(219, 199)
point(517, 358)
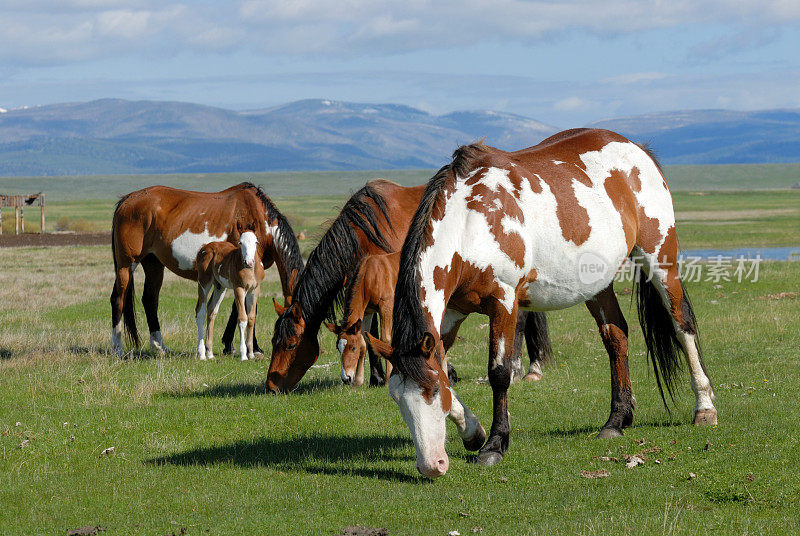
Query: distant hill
point(117, 136)
point(716, 136)
point(114, 136)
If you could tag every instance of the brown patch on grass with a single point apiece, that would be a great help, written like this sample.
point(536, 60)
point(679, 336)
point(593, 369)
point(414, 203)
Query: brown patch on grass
point(358, 530)
point(782, 296)
point(600, 473)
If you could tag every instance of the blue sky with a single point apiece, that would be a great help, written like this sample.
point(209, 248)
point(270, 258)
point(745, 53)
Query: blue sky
point(565, 63)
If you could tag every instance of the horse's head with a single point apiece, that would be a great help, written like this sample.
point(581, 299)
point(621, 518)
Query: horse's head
point(352, 348)
point(248, 244)
point(294, 348)
point(424, 397)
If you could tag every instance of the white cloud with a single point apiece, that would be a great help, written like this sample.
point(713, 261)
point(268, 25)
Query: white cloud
point(571, 104)
point(63, 30)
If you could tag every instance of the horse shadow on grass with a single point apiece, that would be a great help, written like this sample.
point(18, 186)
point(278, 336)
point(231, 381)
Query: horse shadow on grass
point(318, 454)
point(232, 390)
point(594, 430)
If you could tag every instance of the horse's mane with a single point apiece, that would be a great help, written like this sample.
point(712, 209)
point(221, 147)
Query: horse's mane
point(336, 257)
point(409, 318)
point(350, 289)
point(285, 243)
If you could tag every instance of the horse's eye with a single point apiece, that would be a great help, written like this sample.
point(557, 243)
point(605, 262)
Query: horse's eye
point(291, 346)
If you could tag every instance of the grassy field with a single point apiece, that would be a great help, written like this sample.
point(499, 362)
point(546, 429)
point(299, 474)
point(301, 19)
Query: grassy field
point(198, 446)
point(200, 449)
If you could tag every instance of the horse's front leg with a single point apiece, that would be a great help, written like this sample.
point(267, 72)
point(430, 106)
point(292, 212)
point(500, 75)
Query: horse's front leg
point(200, 317)
point(239, 296)
point(250, 303)
point(501, 347)
point(213, 308)
point(386, 331)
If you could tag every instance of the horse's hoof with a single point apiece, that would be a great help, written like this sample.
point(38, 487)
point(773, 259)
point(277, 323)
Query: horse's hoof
point(228, 350)
point(476, 441)
point(201, 357)
point(210, 356)
point(705, 417)
point(532, 377)
point(489, 458)
point(244, 358)
point(608, 433)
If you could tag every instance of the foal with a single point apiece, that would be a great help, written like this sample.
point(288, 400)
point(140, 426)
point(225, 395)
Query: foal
point(370, 292)
point(220, 266)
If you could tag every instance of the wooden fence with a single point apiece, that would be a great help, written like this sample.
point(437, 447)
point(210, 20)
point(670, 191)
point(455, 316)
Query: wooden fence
point(18, 203)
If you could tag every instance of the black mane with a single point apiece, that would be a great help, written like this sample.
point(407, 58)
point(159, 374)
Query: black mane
point(409, 318)
point(336, 257)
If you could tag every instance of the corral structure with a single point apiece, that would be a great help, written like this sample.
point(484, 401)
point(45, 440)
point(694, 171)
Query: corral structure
point(18, 202)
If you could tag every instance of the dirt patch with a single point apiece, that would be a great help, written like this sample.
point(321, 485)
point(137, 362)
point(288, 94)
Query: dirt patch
point(90, 530)
point(728, 216)
point(54, 239)
point(782, 296)
point(358, 530)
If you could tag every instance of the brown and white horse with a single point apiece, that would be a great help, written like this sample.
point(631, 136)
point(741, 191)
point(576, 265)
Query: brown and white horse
point(543, 228)
point(161, 226)
point(374, 220)
point(221, 266)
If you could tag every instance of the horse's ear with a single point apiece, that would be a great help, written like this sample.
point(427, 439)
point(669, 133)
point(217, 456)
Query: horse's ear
point(280, 309)
point(297, 312)
point(383, 349)
point(333, 328)
point(355, 327)
point(428, 343)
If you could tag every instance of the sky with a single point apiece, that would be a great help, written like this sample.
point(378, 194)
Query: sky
point(566, 63)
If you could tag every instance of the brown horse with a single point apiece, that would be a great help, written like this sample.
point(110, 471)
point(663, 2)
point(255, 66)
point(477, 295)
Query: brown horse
point(221, 266)
point(543, 228)
point(374, 220)
point(161, 226)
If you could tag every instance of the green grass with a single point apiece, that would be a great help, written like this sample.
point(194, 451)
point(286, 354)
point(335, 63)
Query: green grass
point(198, 445)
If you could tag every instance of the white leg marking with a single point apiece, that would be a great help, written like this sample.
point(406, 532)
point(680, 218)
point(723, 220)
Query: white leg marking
point(466, 422)
point(700, 383)
point(157, 343)
point(116, 339)
point(201, 328)
point(243, 340)
point(501, 352)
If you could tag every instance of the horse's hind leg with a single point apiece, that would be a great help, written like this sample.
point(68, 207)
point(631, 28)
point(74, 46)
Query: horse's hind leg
point(119, 294)
point(665, 281)
point(537, 340)
point(614, 332)
point(153, 278)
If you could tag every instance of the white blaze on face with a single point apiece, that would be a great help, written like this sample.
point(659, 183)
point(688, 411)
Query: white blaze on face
point(426, 422)
point(248, 243)
point(186, 246)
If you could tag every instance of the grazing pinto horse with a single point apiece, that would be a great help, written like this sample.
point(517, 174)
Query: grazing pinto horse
point(161, 226)
point(374, 220)
point(221, 266)
point(543, 228)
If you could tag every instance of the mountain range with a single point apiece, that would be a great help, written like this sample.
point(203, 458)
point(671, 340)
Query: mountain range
point(117, 136)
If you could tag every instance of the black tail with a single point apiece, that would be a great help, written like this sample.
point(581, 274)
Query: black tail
point(128, 316)
point(537, 337)
point(658, 327)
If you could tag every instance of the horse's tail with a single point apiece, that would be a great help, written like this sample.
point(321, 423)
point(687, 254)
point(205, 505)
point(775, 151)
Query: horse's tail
point(128, 313)
point(658, 327)
point(537, 337)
